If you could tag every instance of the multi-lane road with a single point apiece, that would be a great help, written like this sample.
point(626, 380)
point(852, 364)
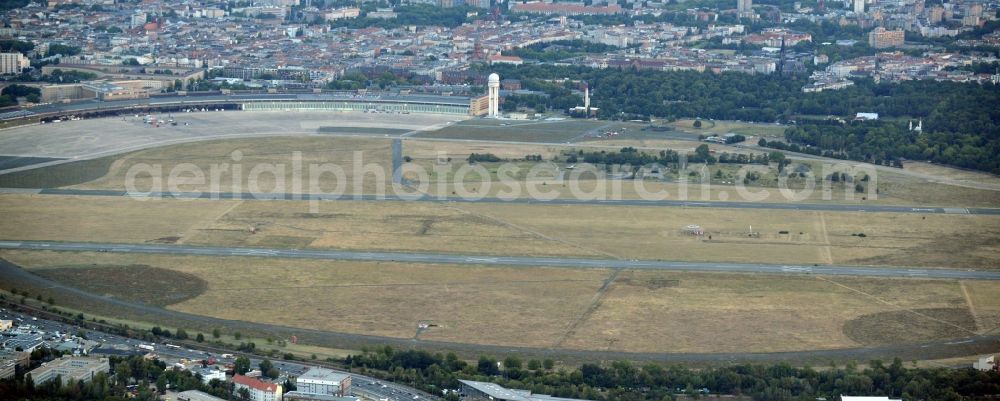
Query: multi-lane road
point(459, 259)
point(827, 207)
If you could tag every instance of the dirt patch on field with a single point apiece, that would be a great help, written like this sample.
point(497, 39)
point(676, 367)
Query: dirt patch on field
point(654, 283)
point(935, 249)
point(910, 326)
point(166, 240)
point(141, 283)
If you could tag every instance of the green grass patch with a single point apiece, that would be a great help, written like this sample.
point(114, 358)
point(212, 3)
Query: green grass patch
point(61, 175)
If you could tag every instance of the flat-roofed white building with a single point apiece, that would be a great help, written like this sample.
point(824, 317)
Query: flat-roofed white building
point(985, 363)
point(13, 63)
point(79, 369)
point(323, 381)
point(485, 391)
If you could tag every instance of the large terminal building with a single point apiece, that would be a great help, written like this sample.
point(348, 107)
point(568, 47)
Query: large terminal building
point(325, 101)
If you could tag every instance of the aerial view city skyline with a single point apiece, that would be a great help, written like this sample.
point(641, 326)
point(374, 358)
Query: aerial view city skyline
point(521, 200)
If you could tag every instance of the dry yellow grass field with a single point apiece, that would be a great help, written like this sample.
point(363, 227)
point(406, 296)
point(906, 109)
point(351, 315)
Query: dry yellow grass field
point(255, 153)
point(402, 226)
point(917, 191)
point(983, 298)
point(893, 188)
point(648, 311)
point(489, 305)
point(675, 144)
point(959, 241)
point(30, 217)
point(429, 150)
point(593, 309)
point(641, 311)
point(952, 173)
point(629, 232)
point(549, 187)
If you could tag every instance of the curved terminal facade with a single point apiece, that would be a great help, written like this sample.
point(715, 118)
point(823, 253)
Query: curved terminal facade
point(388, 103)
point(352, 105)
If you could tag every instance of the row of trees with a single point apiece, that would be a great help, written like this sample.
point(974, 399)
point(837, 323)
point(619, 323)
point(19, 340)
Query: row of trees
point(12, 4)
point(560, 50)
point(12, 92)
point(60, 76)
point(764, 98)
point(624, 381)
point(702, 154)
point(889, 142)
point(14, 45)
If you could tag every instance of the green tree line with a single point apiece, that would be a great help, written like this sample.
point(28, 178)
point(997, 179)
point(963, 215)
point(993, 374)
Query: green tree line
point(559, 50)
point(961, 121)
point(625, 381)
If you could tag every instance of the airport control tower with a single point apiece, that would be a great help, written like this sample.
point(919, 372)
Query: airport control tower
point(494, 94)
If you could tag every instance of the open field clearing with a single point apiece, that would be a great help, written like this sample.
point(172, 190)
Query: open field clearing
point(735, 313)
point(952, 173)
point(647, 141)
point(93, 219)
point(346, 225)
point(984, 304)
point(962, 241)
point(386, 299)
point(639, 311)
point(266, 162)
point(428, 151)
point(919, 191)
point(719, 127)
point(626, 232)
point(398, 226)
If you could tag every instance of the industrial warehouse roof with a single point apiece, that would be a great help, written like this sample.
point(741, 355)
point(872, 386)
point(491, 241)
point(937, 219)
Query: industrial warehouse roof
point(316, 397)
point(324, 375)
point(499, 392)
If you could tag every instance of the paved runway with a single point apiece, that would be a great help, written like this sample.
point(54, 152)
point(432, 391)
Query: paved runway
point(828, 207)
point(413, 257)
